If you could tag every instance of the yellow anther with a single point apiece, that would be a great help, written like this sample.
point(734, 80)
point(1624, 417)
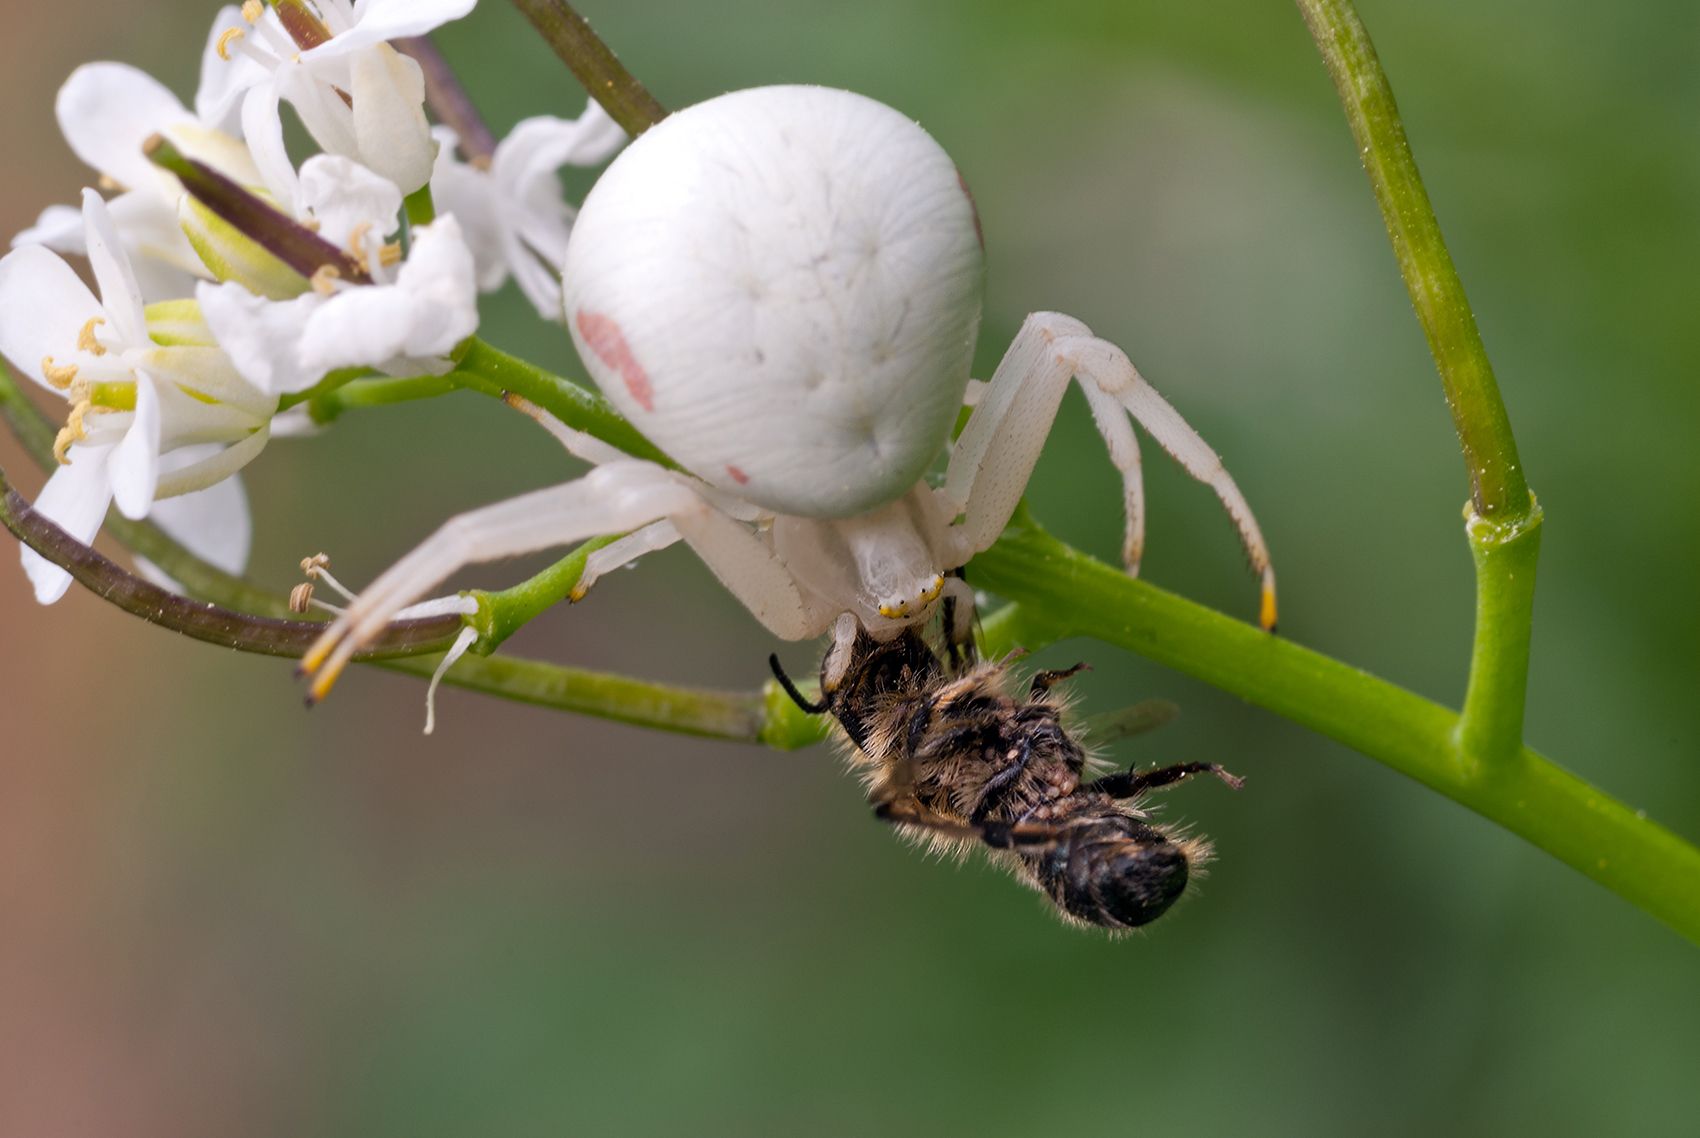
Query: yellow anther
point(58, 375)
point(252, 10)
point(230, 36)
point(301, 596)
point(324, 279)
point(311, 224)
point(73, 432)
point(86, 340)
point(357, 241)
point(314, 565)
point(390, 254)
point(110, 184)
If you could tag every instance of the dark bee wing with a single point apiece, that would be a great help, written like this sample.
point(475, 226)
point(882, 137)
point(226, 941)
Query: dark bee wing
point(1146, 715)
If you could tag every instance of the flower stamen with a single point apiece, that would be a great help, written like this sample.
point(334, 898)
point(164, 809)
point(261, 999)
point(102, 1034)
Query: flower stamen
point(85, 338)
point(252, 10)
point(318, 568)
point(390, 254)
point(229, 36)
point(301, 597)
point(60, 376)
point(73, 432)
point(324, 279)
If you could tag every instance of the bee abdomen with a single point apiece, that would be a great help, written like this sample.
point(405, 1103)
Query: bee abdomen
point(1116, 872)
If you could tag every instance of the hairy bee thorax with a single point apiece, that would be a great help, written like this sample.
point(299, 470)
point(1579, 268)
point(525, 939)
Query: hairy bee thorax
point(953, 757)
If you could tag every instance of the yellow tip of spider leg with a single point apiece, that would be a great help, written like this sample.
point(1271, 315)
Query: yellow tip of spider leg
point(1266, 609)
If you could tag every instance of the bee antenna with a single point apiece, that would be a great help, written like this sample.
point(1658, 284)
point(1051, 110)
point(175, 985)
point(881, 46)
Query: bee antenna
point(797, 697)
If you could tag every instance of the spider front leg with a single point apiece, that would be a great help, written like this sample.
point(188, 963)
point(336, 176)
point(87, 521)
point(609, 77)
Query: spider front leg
point(994, 457)
point(629, 495)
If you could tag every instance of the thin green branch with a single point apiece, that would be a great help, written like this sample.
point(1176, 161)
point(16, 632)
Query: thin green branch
point(594, 64)
point(1484, 429)
point(1504, 525)
point(1528, 794)
point(504, 612)
point(325, 407)
point(493, 372)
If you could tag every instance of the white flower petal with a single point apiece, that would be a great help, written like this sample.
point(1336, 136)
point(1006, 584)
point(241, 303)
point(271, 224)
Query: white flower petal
point(107, 110)
point(389, 116)
point(214, 524)
point(526, 161)
point(470, 194)
point(316, 99)
point(222, 464)
point(135, 460)
point(120, 295)
point(259, 335)
point(59, 227)
point(262, 126)
point(432, 307)
point(75, 499)
point(147, 225)
point(223, 81)
point(379, 20)
point(344, 195)
point(43, 307)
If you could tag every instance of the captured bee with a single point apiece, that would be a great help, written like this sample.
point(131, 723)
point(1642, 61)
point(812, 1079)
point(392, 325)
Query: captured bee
point(952, 756)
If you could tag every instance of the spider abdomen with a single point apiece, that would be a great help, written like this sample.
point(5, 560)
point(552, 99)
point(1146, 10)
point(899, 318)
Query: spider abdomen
point(781, 288)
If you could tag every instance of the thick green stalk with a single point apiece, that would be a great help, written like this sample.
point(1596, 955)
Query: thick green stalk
point(1491, 727)
point(1526, 793)
point(594, 64)
point(1504, 530)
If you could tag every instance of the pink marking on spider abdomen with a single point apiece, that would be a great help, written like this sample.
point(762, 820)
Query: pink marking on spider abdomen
point(738, 476)
point(603, 335)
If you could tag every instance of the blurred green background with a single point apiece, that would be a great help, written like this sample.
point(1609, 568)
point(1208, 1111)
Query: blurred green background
point(223, 915)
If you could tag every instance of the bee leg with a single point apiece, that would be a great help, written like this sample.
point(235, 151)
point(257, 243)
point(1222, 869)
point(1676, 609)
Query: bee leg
point(1045, 681)
point(1131, 784)
point(997, 835)
point(957, 617)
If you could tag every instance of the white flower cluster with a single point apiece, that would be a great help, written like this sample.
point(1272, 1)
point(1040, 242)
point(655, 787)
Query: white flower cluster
point(202, 328)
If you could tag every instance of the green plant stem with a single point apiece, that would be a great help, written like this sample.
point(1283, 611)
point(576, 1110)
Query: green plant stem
point(1497, 486)
point(496, 373)
point(325, 407)
point(1490, 730)
point(1528, 794)
point(594, 64)
point(504, 612)
point(1504, 531)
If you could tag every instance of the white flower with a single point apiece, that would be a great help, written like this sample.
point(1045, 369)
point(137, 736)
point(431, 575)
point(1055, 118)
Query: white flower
point(143, 385)
point(516, 219)
point(405, 323)
point(106, 112)
point(357, 96)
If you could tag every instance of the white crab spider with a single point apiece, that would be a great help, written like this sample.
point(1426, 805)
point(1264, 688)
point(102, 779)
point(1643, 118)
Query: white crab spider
point(781, 288)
